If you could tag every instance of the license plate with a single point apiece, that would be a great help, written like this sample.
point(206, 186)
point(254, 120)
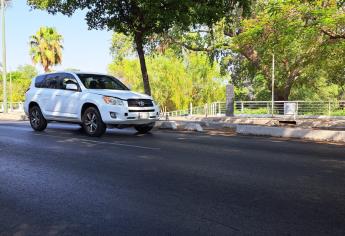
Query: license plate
point(144, 115)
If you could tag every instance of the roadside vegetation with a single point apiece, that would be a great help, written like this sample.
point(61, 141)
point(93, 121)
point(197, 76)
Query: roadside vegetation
point(187, 52)
point(21, 79)
point(307, 39)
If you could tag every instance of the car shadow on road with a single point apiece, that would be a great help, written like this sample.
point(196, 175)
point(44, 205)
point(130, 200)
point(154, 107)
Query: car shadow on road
point(76, 130)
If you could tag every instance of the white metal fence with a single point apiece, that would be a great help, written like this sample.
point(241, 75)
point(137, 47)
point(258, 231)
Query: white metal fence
point(248, 108)
point(264, 109)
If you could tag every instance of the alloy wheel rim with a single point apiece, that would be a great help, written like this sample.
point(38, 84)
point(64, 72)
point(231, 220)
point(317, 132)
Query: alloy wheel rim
point(35, 118)
point(91, 122)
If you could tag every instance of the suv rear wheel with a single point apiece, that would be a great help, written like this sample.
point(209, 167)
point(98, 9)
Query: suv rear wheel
point(37, 120)
point(143, 129)
point(92, 122)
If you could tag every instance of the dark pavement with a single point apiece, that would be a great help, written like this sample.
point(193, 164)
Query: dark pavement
point(61, 182)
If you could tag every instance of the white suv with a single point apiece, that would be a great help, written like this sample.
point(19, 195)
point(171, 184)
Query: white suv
point(95, 101)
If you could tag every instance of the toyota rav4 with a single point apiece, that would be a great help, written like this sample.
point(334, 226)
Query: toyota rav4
point(95, 101)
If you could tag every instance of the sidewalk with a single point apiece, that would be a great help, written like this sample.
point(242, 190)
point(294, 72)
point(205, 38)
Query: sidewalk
point(310, 129)
point(13, 116)
point(310, 123)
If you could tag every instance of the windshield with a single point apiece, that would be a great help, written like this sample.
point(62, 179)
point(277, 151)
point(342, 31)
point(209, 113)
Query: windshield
point(92, 81)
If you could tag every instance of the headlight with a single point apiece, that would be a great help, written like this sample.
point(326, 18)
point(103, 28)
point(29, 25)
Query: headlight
point(113, 101)
point(155, 104)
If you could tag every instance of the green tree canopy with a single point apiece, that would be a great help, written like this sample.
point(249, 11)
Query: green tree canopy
point(142, 18)
point(21, 79)
point(176, 79)
point(307, 38)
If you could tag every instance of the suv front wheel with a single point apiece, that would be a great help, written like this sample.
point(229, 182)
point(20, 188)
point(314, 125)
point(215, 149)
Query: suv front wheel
point(92, 122)
point(37, 120)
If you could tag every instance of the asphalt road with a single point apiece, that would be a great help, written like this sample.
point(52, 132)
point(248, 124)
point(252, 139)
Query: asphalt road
point(60, 182)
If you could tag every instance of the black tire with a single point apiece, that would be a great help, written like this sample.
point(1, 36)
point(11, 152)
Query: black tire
point(92, 122)
point(143, 129)
point(37, 120)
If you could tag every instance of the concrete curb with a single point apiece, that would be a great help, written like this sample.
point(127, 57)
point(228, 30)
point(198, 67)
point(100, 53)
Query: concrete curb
point(318, 123)
point(310, 134)
point(300, 133)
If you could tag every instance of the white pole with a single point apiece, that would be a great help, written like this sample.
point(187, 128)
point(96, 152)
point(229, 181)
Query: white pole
point(11, 92)
point(4, 56)
point(273, 62)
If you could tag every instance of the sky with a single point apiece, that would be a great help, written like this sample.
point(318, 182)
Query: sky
point(87, 50)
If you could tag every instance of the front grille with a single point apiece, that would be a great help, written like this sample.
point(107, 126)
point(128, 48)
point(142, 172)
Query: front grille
point(140, 103)
point(150, 110)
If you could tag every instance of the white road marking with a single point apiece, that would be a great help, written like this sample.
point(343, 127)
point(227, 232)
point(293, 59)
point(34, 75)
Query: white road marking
point(100, 142)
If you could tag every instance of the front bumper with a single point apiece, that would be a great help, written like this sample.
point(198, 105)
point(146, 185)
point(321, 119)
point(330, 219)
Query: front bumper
point(113, 115)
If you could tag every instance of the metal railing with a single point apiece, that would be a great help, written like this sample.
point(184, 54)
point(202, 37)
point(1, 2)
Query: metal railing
point(264, 109)
point(248, 108)
point(13, 107)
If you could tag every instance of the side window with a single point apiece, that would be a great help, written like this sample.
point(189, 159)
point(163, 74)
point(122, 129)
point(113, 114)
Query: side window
point(51, 81)
point(67, 79)
point(39, 81)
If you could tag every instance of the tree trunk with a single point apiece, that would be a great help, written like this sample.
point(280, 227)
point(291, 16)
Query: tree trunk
point(281, 94)
point(140, 50)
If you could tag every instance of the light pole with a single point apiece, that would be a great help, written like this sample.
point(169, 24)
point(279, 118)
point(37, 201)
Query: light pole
point(11, 92)
point(4, 56)
point(273, 62)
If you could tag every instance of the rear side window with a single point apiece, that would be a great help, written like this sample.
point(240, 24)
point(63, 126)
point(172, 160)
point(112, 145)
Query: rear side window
point(52, 81)
point(55, 81)
point(39, 81)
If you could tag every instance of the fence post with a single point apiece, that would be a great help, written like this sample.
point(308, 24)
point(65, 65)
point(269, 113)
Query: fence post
point(229, 100)
point(206, 109)
point(191, 109)
point(329, 108)
point(242, 107)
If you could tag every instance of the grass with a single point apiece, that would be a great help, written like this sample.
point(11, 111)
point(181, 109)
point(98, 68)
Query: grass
point(339, 112)
point(253, 111)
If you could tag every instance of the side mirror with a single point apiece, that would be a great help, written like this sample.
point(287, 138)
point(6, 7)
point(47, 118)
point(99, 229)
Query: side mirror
point(72, 87)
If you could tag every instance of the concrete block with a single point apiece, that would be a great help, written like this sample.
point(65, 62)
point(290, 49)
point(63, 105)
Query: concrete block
point(193, 127)
point(168, 125)
point(310, 134)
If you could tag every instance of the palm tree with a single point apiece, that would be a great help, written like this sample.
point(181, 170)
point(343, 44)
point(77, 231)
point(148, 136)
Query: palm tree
point(46, 47)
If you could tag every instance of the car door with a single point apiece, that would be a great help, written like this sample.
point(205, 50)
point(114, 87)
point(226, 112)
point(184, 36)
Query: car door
point(69, 99)
point(41, 96)
point(49, 94)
